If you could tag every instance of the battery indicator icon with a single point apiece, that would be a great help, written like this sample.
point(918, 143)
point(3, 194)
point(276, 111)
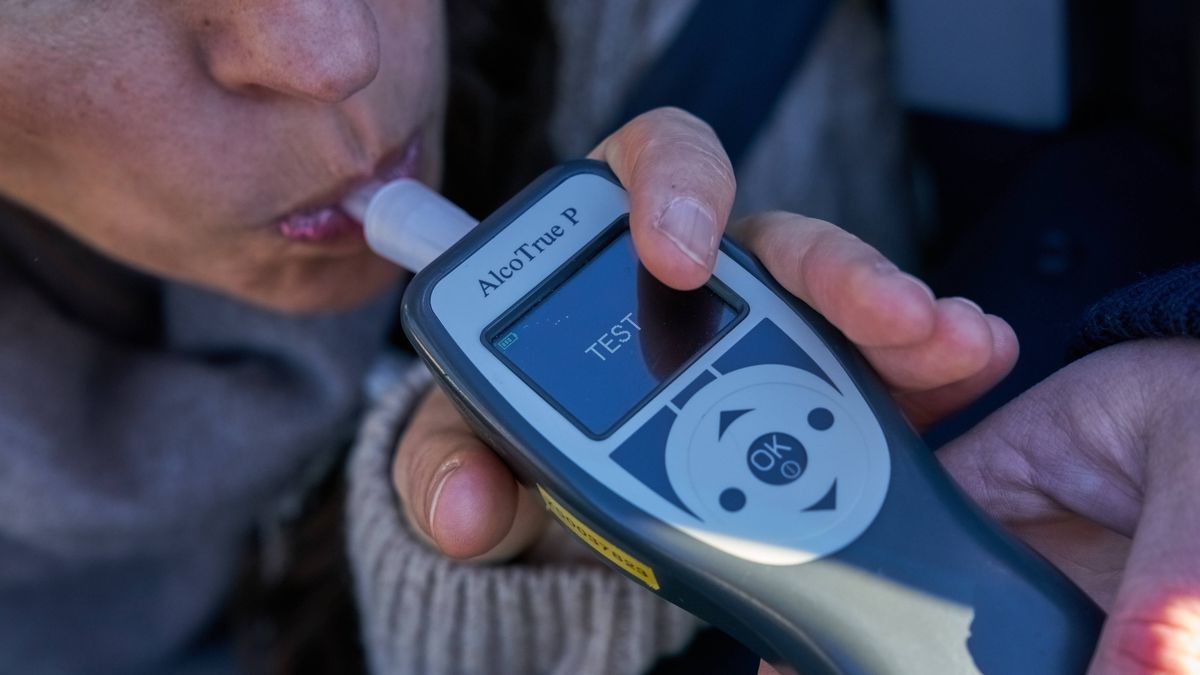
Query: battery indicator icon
point(506, 341)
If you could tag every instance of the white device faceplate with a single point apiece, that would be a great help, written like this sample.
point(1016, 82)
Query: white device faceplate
point(775, 527)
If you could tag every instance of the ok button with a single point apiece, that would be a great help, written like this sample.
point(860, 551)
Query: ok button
point(776, 458)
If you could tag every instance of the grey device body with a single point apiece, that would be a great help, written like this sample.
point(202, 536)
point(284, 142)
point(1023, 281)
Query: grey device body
point(861, 556)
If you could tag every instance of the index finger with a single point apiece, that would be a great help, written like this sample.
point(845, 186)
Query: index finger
point(681, 189)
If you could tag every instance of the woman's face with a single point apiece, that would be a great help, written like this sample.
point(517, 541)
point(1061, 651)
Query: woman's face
point(210, 140)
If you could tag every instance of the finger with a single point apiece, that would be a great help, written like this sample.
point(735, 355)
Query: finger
point(924, 407)
point(947, 347)
point(457, 492)
point(681, 188)
point(959, 346)
point(1154, 625)
point(844, 279)
point(765, 668)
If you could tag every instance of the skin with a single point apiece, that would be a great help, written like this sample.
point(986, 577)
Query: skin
point(172, 135)
point(1096, 468)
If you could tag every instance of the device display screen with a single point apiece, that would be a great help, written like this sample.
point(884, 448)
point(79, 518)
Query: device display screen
point(609, 336)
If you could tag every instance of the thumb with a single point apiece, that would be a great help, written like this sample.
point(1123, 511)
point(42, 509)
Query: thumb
point(457, 494)
point(1154, 624)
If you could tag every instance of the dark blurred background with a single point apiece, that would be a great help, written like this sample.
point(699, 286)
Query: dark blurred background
point(1059, 192)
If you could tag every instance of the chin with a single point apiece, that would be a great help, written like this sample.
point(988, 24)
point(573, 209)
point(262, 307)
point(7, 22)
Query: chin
point(322, 287)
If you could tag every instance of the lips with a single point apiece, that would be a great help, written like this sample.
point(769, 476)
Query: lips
point(330, 223)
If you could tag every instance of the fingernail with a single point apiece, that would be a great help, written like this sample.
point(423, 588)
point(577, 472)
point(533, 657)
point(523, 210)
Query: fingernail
point(447, 471)
point(969, 302)
point(691, 228)
point(924, 286)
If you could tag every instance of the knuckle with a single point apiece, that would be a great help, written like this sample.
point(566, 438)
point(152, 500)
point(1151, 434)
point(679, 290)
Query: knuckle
point(824, 232)
point(641, 129)
point(823, 239)
point(671, 133)
point(784, 240)
point(763, 233)
point(684, 154)
point(814, 230)
point(671, 116)
point(821, 260)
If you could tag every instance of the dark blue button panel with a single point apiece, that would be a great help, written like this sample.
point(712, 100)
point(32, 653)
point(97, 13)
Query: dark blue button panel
point(689, 391)
point(767, 343)
point(644, 455)
point(780, 460)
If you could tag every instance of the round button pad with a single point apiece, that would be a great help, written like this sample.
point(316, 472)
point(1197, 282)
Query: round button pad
point(776, 465)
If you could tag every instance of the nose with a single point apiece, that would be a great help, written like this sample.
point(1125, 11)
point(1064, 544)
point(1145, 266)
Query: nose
point(318, 50)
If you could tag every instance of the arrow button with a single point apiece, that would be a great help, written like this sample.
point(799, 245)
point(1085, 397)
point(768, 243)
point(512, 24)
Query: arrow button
point(828, 502)
point(727, 417)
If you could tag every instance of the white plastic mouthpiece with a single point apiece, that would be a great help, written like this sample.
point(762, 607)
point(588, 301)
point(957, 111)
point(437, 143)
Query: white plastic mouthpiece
point(406, 222)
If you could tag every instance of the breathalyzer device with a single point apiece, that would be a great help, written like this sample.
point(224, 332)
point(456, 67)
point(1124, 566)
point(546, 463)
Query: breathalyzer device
point(726, 447)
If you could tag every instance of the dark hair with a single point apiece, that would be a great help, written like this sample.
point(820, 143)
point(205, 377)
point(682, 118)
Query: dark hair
point(502, 71)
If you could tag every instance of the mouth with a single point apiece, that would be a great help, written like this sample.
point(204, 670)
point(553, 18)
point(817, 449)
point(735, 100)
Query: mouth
point(328, 222)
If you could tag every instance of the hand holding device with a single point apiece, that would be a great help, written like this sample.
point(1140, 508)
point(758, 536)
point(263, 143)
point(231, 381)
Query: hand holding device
point(934, 355)
point(717, 522)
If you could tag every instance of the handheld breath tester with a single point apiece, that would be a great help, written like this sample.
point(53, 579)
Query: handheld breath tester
point(728, 449)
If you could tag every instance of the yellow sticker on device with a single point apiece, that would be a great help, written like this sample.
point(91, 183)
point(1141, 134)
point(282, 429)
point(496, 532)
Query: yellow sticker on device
point(603, 546)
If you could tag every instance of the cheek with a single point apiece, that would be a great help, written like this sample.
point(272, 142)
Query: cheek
point(305, 283)
point(88, 97)
point(116, 133)
point(69, 75)
point(413, 41)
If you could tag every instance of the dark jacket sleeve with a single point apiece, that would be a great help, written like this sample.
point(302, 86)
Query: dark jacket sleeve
point(1167, 305)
